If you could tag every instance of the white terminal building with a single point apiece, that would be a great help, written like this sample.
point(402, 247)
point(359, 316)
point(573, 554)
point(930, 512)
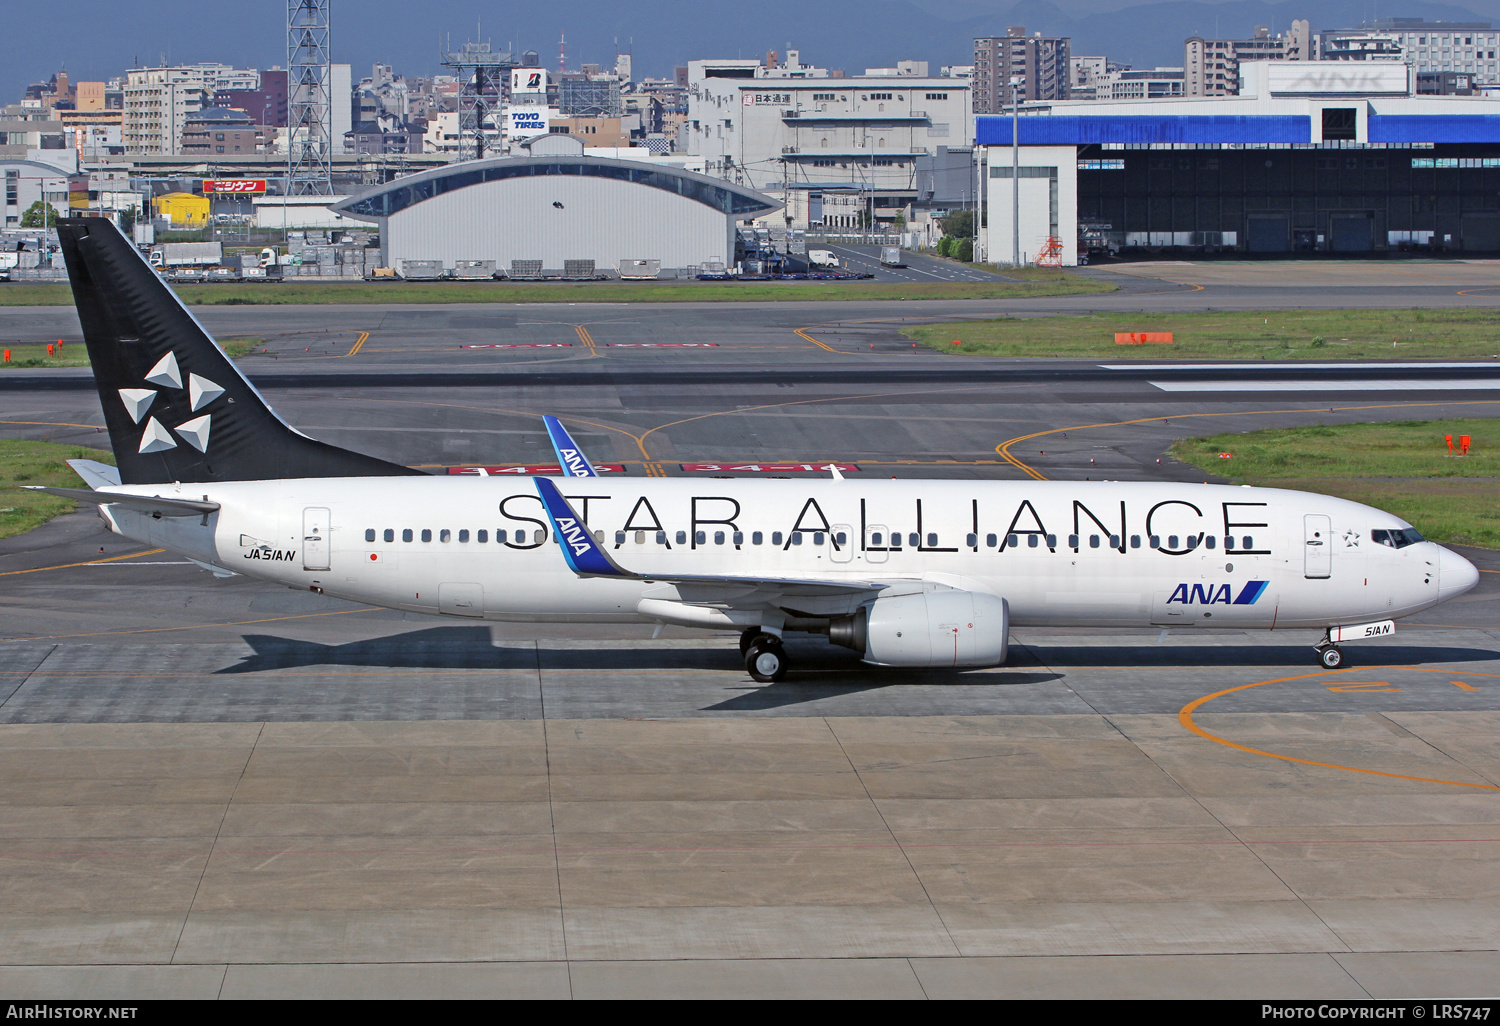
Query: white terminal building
point(828, 147)
point(1312, 157)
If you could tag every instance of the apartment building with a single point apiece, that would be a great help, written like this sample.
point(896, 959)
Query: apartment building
point(1039, 66)
point(1211, 67)
point(1468, 48)
point(158, 101)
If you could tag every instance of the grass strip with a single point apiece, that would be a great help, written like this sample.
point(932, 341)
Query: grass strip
point(1231, 335)
point(1399, 466)
point(38, 463)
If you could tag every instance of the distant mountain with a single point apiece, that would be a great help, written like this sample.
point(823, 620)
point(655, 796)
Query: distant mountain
point(96, 40)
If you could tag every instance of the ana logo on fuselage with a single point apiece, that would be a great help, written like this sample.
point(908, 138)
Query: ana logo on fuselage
point(1218, 594)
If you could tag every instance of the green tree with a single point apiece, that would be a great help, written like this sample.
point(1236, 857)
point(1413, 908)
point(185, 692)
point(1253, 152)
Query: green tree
point(965, 251)
point(39, 215)
point(900, 221)
point(959, 224)
point(127, 220)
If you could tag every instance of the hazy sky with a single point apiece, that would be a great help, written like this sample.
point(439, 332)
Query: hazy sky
point(96, 40)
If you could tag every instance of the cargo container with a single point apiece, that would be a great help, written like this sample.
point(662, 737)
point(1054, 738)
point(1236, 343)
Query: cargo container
point(640, 270)
point(891, 256)
point(422, 270)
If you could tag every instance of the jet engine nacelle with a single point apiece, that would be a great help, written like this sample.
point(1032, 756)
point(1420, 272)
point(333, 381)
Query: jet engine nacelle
point(935, 628)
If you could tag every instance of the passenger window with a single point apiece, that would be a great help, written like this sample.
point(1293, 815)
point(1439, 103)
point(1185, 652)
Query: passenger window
point(1172, 541)
point(699, 537)
point(739, 538)
point(1012, 540)
point(1032, 539)
point(681, 537)
point(1247, 542)
point(463, 535)
point(775, 537)
point(406, 535)
point(1135, 541)
point(796, 537)
point(481, 536)
point(817, 537)
point(661, 537)
point(895, 541)
point(756, 537)
point(619, 538)
point(1093, 541)
point(718, 537)
point(914, 540)
point(500, 537)
point(991, 540)
point(1114, 541)
point(538, 536)
point(445, 535)
point(390, 535)
point(841, 539)
point(1192, 542)
point(369, 534)
point(1229, 543)
point(971, 540)
point(1051, 541)
point(640, 537)
point(426, 534)
point(1154, 541)
point(875, 539)
point(1072, 541)
point(1209, 541)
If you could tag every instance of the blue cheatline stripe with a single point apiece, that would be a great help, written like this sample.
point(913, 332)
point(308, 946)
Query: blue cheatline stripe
point(571, 458)
point(1250, 592)
point(1434, 128)
point(578, 547)
point(1075, 130)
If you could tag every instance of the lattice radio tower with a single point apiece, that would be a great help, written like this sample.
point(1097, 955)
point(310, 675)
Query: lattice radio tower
point(309, 159)
point(481, 76)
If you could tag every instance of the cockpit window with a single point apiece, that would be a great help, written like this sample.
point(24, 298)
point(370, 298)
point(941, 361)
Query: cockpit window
point(1396, 538)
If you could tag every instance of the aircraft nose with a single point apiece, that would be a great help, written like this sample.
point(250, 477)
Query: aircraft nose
point(1456, 574)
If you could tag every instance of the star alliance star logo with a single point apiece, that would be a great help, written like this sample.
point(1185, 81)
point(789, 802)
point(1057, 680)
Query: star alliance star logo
point(138, 402)
point(1351, 539)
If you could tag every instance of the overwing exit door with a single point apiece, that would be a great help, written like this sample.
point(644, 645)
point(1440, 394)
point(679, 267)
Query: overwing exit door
point(1317, 545)
point(315, 538)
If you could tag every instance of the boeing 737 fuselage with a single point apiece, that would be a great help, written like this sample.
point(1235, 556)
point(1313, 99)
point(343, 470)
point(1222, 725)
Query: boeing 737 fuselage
point(906, 573)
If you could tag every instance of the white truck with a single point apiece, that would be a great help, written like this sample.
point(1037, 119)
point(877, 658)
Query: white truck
point(822, 258)
point(183, 256)
point(891, 256)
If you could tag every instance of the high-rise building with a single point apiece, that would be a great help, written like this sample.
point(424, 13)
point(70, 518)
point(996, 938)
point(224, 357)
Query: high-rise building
point(1211, 67)
point(1467, 47)
point(157, 104)
point(1019, 66)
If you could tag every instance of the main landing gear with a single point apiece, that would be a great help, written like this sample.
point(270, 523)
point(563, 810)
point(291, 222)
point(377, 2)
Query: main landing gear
point(765, 658)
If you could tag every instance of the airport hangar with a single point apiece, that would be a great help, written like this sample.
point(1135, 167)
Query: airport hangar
point(1312, 158)
point(557, 205)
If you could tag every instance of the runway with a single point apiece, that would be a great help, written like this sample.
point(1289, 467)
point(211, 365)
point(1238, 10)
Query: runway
point(215, 788)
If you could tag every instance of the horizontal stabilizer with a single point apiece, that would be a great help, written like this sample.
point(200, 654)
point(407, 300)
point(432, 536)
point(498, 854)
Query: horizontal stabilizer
point(96, 474)
point(154, 504)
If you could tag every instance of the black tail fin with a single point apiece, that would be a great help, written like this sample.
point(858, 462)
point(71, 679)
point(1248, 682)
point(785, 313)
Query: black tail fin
point(176, 407)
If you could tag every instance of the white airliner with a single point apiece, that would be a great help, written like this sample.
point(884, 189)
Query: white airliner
point(906, 573)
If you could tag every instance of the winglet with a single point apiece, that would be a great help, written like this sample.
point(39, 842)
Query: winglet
point(585, 557)
point(574, 463)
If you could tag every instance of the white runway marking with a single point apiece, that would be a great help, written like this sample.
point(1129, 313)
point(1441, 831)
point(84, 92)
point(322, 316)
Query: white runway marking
point(1372, 385)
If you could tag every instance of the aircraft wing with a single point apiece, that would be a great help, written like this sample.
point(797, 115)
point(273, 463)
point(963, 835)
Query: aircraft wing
point(155, 504)
point(571, 458)
point(587, 558)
